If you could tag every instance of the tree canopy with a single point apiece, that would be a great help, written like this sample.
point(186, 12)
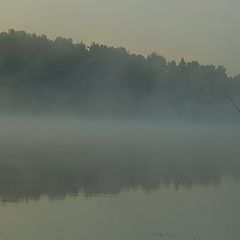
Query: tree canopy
point(39, 74)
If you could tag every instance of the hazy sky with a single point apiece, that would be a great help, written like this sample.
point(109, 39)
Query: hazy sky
point(206, 30)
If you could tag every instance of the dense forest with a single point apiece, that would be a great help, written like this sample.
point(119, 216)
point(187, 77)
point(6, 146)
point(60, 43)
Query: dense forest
point(58, 76)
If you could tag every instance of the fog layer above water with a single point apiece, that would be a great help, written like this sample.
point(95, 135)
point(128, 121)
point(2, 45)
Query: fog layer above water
point(58, 157)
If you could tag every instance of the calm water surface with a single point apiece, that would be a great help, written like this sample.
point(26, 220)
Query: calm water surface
point(118, 181)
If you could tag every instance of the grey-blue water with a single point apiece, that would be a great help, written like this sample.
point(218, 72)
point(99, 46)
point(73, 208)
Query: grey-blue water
point(101, 180)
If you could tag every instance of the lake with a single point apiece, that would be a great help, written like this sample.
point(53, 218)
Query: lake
point(71, 179)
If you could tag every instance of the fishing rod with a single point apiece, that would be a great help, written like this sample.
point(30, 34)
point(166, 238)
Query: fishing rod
point(231, 101)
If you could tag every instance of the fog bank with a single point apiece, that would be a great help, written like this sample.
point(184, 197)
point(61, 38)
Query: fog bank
point(65, 156)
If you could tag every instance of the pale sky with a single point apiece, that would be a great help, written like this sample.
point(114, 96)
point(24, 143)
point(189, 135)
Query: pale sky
point(206, 30)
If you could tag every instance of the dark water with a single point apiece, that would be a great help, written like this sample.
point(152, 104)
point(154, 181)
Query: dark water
point(70, 179)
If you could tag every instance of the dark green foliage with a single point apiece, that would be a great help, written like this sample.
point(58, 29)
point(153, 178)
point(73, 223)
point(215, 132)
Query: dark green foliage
point(38, 74)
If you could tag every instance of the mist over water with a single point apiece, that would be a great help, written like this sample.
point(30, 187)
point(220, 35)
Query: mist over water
point(56, 157)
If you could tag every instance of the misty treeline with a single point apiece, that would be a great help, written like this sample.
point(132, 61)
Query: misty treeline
point(38, 74)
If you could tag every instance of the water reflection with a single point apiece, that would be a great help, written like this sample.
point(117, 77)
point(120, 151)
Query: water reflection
point(35, 173)
point(59, 158)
